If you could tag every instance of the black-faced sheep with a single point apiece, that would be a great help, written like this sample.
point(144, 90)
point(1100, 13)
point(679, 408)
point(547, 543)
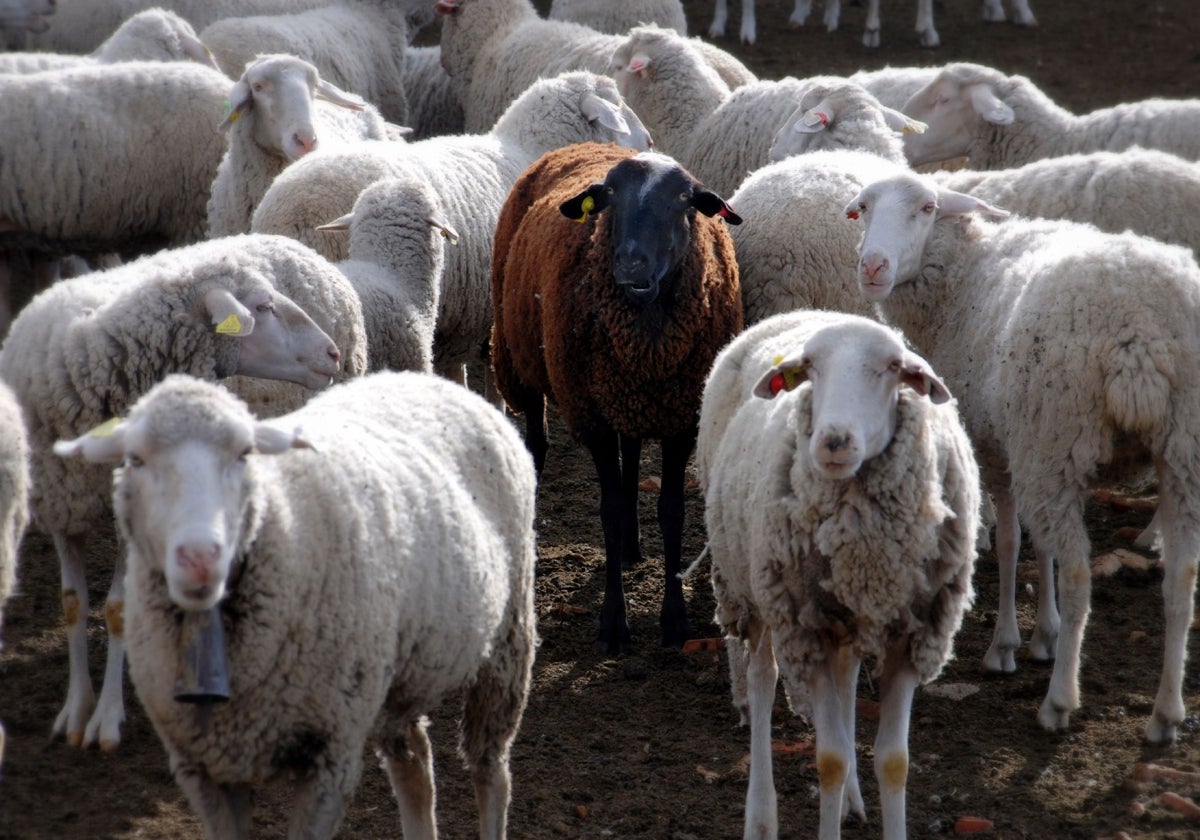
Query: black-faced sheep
point(617, 320)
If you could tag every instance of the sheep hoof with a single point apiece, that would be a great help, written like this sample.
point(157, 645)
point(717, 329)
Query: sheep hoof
point(613, 638)
point(1000, 660)
point(1054, 718)
point(929, 39)
point(1160, 732)
point(871, 38)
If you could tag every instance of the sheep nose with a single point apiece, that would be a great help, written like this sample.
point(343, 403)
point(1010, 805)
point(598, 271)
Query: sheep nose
point(873, 266)
point(333, 353)
point(307, 142)
point(835, 442)
point(199, 561)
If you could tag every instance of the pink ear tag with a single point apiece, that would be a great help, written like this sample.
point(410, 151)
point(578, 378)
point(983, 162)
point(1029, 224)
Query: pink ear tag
point(776, 384)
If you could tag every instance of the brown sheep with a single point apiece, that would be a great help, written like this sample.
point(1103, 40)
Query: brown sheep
point(617, 318)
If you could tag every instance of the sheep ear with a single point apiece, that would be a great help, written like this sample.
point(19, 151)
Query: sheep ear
point(340, 223)
point(901, 122)
point(785, 375)
point(638, 64)
point(815, 119)
point(856, 205)
point(989, 106)
point(595, 109)
point(950, 203)
point(228, 314)
point(195, 49)
point(711, 204)
point(269, 440)
point(592, 200)
point(331, 93)
point(916, 374)
point(104, 444)
point(240, 102)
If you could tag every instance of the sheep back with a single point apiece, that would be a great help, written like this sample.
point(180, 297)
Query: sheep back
point(639, 371)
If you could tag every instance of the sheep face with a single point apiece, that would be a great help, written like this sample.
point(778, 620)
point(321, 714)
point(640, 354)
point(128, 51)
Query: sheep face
point(899, 214)
point(953, 108)
point(180, 488)
point(276, 338)
point(280, 90)
point(856, 370)
point(650, 201)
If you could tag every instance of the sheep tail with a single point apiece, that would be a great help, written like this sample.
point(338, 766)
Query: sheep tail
point(691, 570)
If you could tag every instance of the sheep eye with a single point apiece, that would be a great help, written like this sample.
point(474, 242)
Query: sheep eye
point(258, 87)
point(609, 190)
point(265, 307)
point(245, 453)
point(132, 460)
point(929, 208)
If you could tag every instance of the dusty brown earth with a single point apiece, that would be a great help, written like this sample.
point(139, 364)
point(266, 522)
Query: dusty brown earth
point(647, 746)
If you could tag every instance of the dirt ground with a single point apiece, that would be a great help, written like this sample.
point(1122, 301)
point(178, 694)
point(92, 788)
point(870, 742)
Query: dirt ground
point(647, 746)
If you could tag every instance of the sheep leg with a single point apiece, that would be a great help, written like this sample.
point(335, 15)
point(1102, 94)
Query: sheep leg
point(104, 727)
point(1180, 531)
point(926, 32)
point(749, 26)
point(897, 685)
point(720, 15)
point(631, 538)
point(408, 761)
point(762, 674)
point(739, 662)
point(81, 698)
point(835, 744)
point(800, 13)
point(492, 711)
point(606, 455)
point(224, 810)
point(320, 802)
point(852, 798)
point(1061, 532)
point(1006, 638)
point(870, 36)
point(1045, 631)
point(533, 406)
point(673, 619)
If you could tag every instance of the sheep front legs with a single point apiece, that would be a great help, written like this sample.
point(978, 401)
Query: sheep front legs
point(82, 725)
point(224, 810)
point(762, 674)
point(617, 460)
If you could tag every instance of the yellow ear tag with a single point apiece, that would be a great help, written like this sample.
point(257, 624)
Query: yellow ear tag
point(106, 428)
point(587, 206)
point(230, 326)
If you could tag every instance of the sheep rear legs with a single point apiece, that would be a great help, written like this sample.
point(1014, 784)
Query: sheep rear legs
point(408, 760)
point(762, 674)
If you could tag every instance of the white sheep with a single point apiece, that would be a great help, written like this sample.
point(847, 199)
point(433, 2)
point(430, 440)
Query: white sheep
point(109, 157)
point(358, 46)
point(280, 110)
point(495, 49)
point(1000, 121)
point(841, 509)
point(1064, 345)
point(796, 250)
point(617, 17)
point(84, 350)
point(79, 26)
point(471, 175)
point(340, 620)
point(396, 264)
point(926, 33)
point(720, 135)
point(433, 106)
point(152, 35)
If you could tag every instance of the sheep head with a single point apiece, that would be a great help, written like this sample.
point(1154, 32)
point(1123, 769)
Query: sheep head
point(650, 201)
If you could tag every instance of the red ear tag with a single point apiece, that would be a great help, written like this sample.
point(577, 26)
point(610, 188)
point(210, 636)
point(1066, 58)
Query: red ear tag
point(851, 214)
point(824, 118)
point(723, 212)
point(776, 384)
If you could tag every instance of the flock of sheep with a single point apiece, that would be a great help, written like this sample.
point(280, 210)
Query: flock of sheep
point(861, 351)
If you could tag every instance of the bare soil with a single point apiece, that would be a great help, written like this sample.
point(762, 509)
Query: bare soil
point(647, 745)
